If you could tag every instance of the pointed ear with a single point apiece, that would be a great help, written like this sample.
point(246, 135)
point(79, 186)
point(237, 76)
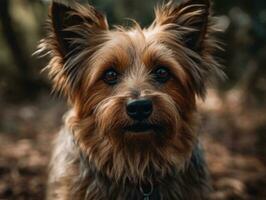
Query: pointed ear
point(68, 22)
point(75, 32)
point(190, 18)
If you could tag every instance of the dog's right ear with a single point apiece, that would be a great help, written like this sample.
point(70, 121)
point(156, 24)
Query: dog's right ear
point(75, 31)
point(75, 22)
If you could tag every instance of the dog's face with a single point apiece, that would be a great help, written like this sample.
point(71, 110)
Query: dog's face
point(133, 89)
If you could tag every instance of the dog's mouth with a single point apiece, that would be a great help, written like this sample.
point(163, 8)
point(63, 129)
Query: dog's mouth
point(140, 127)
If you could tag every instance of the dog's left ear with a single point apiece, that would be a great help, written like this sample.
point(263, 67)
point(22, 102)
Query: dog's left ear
point(189, 17)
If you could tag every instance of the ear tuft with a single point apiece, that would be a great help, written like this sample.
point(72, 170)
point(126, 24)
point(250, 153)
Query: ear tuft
point(190, 17)
point(74, 33)
point(67, 22)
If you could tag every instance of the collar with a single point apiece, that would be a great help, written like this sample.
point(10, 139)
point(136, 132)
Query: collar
point(149, 190)
point(146, 190)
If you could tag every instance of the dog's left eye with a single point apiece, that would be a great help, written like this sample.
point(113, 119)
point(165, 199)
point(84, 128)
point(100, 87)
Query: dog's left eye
point(161, 74)
point(111, 77)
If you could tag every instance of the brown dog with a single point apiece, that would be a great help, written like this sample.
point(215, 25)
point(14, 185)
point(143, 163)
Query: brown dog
point(131, 132)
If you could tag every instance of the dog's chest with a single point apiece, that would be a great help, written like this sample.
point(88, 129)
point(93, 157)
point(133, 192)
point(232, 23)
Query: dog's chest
point(191, 183)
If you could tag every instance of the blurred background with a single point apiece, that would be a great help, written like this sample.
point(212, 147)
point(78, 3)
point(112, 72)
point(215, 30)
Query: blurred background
point(233, 128)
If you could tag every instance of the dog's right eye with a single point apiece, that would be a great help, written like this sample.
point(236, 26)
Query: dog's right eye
point(161, 74)
point(110, 77)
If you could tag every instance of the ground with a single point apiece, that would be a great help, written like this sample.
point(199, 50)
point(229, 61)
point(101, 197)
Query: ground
point(233, 136)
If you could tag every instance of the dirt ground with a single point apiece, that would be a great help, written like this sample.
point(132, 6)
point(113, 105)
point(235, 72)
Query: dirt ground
point(233, 135)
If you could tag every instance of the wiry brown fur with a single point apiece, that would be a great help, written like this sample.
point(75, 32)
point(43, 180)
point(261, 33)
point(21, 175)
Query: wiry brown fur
point(94, 158)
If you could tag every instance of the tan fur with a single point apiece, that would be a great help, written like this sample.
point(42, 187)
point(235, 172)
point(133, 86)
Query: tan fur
point(94, 158)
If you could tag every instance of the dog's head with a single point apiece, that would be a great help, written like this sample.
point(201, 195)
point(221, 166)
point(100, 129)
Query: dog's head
point(133, 90)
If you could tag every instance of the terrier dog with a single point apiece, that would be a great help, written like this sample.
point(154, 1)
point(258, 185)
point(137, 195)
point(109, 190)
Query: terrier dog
point(131, 132)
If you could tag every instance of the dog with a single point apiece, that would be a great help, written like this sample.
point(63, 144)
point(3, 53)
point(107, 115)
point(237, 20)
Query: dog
point(131, 132)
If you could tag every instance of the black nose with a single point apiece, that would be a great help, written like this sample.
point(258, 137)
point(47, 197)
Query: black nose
point(139, 109)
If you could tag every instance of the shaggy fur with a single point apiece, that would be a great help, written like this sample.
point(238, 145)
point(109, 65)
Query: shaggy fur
point(95, 157)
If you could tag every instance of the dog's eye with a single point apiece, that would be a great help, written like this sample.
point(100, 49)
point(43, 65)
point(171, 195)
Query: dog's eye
point(161, 74)
point(110, 77)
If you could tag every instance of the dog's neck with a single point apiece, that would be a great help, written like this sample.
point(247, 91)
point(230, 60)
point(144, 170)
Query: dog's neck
point(171, 186)
point(86, 180)
point(121, 182)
